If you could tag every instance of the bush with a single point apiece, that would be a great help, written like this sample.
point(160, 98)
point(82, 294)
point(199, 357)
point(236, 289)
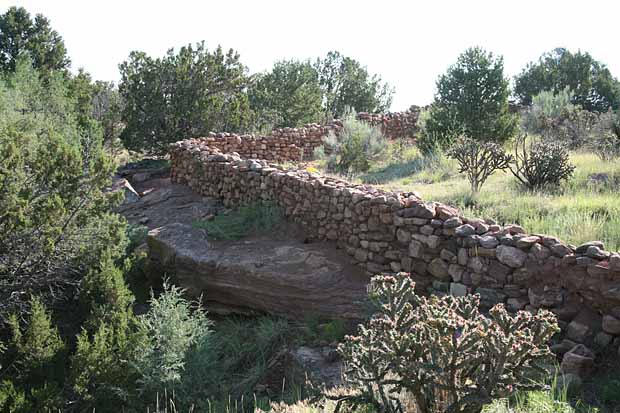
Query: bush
point(54, 216)
point(101, 371)
point(441, 351)
point(260, 217)
point(173, 327)
point(478, 160)
point(354, 149)
point(606, 140)
point(37, 367)
point(539, 164)
point(546, 107)
point(231, 362)
point(186, 93)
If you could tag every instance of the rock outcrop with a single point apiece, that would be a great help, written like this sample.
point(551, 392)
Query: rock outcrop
point(282, 277)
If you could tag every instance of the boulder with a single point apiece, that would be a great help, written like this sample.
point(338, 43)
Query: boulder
point(611, 325)
point(511, 256)
point(583, 248)
point(578, 361)
point(465, 230)
point(439, 269)
point(282, 277)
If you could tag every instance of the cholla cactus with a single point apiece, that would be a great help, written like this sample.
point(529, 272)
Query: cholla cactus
point(440, 354)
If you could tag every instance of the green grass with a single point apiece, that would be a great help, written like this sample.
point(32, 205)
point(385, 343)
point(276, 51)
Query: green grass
point(582, 209)
point(242, 222)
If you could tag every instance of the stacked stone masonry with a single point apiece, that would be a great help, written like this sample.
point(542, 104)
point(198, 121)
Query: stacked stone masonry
point(296, 144)
point(445, 251)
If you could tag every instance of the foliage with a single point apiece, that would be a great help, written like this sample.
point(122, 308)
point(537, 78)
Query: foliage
point(101, 370)
point(181, 95)
point(346, 83)
point(173, 327)
point(547, 107)
point(289, 95)
point(441, 350)
point(107, 108)
point(590, 82)
point(256, 218)
point(479, 160)
point(231, 362)
point(36, 368)
point(37, 347)
point(354, 149)
point(471, 101)
point(19, 34)
point(605, 142)
point(539, 164)
point(553, 116)
point(54, 217)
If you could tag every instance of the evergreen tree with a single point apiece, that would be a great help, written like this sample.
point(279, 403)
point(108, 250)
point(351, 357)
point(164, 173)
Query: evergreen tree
point(472, 101)
point(182, 95)
point(289, 95)
point(54, 211)
point(346, 83)
point(19, 34)
point(589, 81)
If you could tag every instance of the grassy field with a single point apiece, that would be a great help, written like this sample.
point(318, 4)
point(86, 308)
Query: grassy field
point(584, 209)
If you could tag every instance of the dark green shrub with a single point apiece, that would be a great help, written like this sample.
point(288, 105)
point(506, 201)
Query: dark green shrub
point(54, 210)
point(539, 164)
point(101, 371)
point(441, 351)
point(478, 160)
point(37, 363)
point(354, 149)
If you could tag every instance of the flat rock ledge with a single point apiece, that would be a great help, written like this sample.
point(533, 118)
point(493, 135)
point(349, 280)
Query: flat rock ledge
point(280, 277)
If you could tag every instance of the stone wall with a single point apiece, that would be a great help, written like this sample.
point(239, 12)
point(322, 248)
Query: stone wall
point(295, 144)
point(395, 125)
point(445, 251)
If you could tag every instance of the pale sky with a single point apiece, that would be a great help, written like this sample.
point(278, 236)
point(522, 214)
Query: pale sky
point(409, 43)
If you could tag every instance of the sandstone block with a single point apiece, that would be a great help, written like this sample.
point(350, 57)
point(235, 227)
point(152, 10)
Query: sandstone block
point(511, 256)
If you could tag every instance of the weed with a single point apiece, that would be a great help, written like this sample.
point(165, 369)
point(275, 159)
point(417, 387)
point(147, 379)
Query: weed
point(259, 217)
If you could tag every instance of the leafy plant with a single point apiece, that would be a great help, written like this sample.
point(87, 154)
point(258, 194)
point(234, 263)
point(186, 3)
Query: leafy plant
point(229, 364)
point(441, 351)
point(478, 160)
point(259, 217)
point(101, 371)
point(354, 149)
point(538, 164)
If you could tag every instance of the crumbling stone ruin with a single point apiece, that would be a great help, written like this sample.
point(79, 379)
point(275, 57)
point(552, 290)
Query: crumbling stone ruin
point(446, 252)
point(296, 144)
